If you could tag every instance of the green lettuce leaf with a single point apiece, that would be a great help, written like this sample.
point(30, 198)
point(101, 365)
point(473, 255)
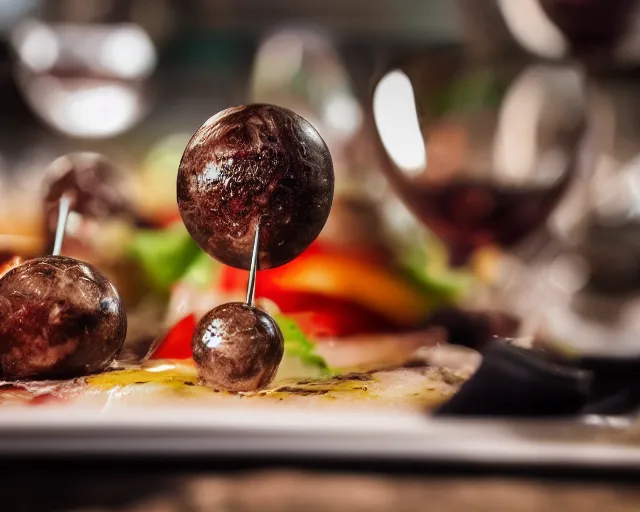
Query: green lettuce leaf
point(165, 256)
point(201, 272)
point(300, 358)
point(425, 265)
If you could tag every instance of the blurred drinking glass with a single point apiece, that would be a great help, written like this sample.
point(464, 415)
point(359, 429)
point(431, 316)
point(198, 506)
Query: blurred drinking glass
point(85, 80)
point(593, 302)
point(300, 69)
point(480, 154)
point(598, 33)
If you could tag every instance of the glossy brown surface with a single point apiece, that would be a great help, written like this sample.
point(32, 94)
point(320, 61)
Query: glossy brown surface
point(93, 183)
point(237, 348)
point(59, 317)
point(255, 164)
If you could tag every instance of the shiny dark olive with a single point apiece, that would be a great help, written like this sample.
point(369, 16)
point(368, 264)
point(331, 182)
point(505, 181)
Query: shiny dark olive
point(59, 318)
point(250, 165)
point(237, 348)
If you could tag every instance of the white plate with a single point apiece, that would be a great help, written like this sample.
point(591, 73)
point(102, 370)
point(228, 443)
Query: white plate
point(380, 435)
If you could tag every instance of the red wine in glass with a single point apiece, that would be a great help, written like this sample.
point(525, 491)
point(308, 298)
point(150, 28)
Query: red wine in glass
point(481, 155)
point(590, 25)
point(469, 214)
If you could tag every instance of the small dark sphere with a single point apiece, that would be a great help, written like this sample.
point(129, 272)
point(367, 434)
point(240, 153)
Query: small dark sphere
point(237, 348)
point(59, 318)
point(93, 183)
point(255, 164)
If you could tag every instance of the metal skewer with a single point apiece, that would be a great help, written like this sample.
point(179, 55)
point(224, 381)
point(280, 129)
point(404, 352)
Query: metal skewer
point(253, 270)
point(63, 214)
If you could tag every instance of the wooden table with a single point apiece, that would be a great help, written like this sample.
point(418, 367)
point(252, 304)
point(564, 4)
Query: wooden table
point(311, 491)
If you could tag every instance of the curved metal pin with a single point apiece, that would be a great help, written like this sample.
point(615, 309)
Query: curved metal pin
point(251, 285)
point(63, 215)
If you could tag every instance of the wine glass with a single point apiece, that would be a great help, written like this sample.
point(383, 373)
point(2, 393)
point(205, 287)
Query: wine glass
point(598, 313)
point(85, 80)
point(481, 153)
point(599, 33)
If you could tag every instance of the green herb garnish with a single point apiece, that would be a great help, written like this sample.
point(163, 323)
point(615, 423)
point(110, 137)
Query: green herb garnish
point(297, 345)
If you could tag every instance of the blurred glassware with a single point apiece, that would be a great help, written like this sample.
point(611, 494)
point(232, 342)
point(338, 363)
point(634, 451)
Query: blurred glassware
point(600, 312)
point(599, 33)
point(483, 30)
point(301, 70)
point(154, 185)
point(85, 81)
point(481, 154)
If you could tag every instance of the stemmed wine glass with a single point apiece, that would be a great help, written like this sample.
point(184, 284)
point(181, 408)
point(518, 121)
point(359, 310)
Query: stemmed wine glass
point(600, 34)
point(480, 152)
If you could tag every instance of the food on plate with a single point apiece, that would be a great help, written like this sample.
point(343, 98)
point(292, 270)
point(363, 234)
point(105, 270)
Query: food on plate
point(162, 382)
point(337, 322)
point(237, 347)
point(255, 165)
point(59, 317)
point(358, 307)
point(255, 187)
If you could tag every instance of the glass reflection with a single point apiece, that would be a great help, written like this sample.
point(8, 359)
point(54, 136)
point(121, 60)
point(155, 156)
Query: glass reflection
point(86, 81)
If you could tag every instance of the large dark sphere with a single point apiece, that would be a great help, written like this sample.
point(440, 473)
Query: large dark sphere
point(255, 164)
point(237, 348)
point(59, 318)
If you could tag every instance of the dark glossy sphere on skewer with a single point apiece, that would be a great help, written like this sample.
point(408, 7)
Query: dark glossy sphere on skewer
point(93, 183)
point(59, 318)
point(237, 348)
point(250, 164)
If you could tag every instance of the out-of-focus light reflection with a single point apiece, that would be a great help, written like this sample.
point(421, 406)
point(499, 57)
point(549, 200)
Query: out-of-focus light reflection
point(85, 80)
point(515, 143)
point(37, 46)
point(279, 58)
point(84, 109)
point(128, 52)
point(616, 190)
point(342, 114)
point(532, 28)
point(541, 101)
point(396, 120)
point(569, 272)
point(300, 69)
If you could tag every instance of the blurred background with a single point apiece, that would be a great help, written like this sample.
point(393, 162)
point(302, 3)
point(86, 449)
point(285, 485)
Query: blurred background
point(486, 153)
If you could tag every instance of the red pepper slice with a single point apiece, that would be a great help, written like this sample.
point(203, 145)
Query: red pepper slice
point(177, 342)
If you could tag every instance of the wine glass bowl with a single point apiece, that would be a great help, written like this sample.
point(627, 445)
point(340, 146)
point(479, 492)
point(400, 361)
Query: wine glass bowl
point(480, 153)
point(598, 33)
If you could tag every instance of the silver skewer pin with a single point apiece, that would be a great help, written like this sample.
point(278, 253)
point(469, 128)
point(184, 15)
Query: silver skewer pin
point(253, 270)
point(63, 215)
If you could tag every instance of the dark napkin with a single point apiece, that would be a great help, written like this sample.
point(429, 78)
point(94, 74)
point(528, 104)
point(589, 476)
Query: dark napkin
point(517, 382)
point(513, 381)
